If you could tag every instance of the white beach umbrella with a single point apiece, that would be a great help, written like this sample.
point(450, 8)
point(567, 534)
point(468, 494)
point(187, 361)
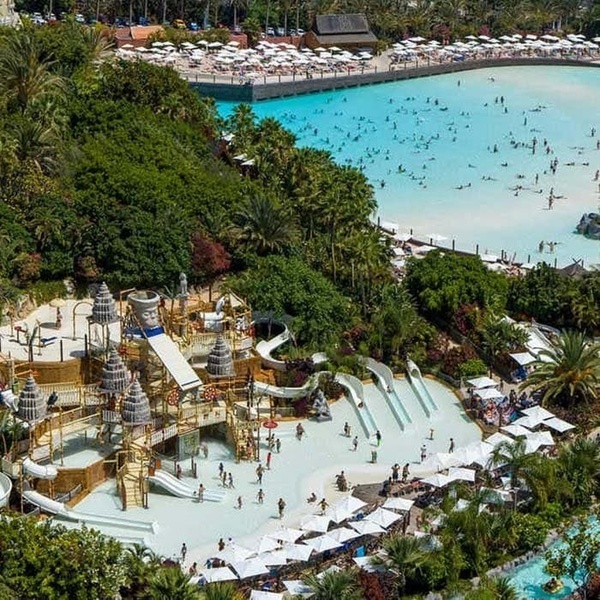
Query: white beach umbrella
point(350, 503)
point(526, 421)
point(489, 393)
point(365, 527)
point(296, 587)
point(482, 382)
point(315, 523)
point(297, 551)
point(322, 543)
point(398, 503)
point(515, 430)
point(343, 534)
point(441, 461)
point(233, 554)
point(262, 595)
point(538, 413)
point(437, 480)
point(364, 562)
point(558, 425)
point(265, 544)
point(286, 534)
point(218, 574)
point(461, 474)
point(543, 438)
point(274, 558)
point(338, 514)
point(249, 568)
point(383, 517)
point(215, 45)
point(499, 438)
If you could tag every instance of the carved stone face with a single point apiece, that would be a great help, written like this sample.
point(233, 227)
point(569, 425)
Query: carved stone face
point(145, 304)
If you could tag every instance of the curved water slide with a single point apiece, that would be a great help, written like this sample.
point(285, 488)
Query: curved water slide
point(181, 489)
point(265, 347)
point(40, 471)
point(62, 510)
point(5, 489)
point(357, 397)
point(420, 389)
point(285, 392)
point(386, 380)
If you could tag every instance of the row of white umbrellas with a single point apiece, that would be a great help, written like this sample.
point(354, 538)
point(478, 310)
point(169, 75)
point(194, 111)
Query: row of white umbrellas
point(280, 546)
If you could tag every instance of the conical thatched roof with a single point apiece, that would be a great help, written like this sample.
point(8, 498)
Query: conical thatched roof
point(104, 309)
point(136, 407)
point(115, 378)
point(220, 361)
point(32, 405)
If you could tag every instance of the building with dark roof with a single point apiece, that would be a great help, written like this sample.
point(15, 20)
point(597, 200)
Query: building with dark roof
point(348, 32)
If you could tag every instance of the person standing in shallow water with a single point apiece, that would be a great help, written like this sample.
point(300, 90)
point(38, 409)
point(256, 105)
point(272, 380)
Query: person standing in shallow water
point(378, 437)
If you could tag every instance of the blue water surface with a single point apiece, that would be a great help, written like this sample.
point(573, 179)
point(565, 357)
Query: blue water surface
point(447, 155)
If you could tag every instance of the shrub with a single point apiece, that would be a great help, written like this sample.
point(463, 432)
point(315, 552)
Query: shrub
point(472, 368)
point(530, 530)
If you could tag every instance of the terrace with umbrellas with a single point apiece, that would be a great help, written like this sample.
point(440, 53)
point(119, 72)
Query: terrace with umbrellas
point(267, 60)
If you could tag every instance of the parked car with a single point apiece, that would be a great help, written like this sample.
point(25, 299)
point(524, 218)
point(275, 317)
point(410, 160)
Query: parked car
point(179, 24)
point(280, 31)
point(270, 32)
point(193, 26)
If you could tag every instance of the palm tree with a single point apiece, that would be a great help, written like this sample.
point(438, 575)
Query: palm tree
point(35, 143)
point(569, 372)
point(335, 585)
point(579, 465)
point(24, 77)
point(406, 556)
point(170, 583)
point(264, 226)
point(221, 590)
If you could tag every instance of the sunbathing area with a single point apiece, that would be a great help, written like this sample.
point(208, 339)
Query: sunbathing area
point(266, 61)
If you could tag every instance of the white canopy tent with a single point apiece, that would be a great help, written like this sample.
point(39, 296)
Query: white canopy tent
point(538, 413)
point(515, 430)
point(343, 534)
point(489, 393)
point(461, 474)
point(322, 543)
point(398, 504)
point(249, 568)
point(558, 425)
point(482, 382)
point(437, 480)
point(523, 358)
point(218, 574)
point(383, 517)
point(297, 551)
point(365, 527)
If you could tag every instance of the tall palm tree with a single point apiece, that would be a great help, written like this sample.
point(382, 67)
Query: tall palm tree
point(24, 77)
point(264, 226)
point(579, 465)
point(405, 556)
point(221, 590)
point(36, 143)
point(335, 585)
point(569, 372)
point(170, 583)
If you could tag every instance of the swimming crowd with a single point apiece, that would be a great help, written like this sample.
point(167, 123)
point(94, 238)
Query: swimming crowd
point(343, 141)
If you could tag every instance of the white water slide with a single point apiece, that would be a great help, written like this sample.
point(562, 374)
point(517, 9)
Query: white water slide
point(62, 510)
point(356, 395)
point(177, 365)
point(386, 385)
point(265, 347)
point(420, 389)
point(181, 489)
point(5, 489)
point(40, 471)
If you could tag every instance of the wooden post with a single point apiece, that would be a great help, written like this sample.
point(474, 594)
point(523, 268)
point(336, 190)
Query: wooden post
point(62, 355)
point(477, 250)
point(453, 245)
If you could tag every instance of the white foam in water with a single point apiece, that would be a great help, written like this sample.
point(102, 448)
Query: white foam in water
point(444, 146)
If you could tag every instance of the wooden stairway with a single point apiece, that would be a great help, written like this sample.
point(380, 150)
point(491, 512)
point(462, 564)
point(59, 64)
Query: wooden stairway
point(131, 485)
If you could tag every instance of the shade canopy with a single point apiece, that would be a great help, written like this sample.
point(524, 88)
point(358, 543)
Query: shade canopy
point(441, 461)
point(296, 587)
point(537, 413)
point(261, 595)
point(350, 503)
point(233, 554)
point(383, 517)
point(265, 544)
point(461, 474)
point(338, 514)
point(287, 534)
point(499, 438)
point(515, 430)
point(298, 551)
point(398, 504)
point(218, 574)
point(489, 393)
point(249, 568)
point(523, 358)
point(365, 527)
point(315, 523)
point(558, 425)
point(437, 480)
point(274, 558)
point(343, 534)
point(322, 543)
point(482, 382)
